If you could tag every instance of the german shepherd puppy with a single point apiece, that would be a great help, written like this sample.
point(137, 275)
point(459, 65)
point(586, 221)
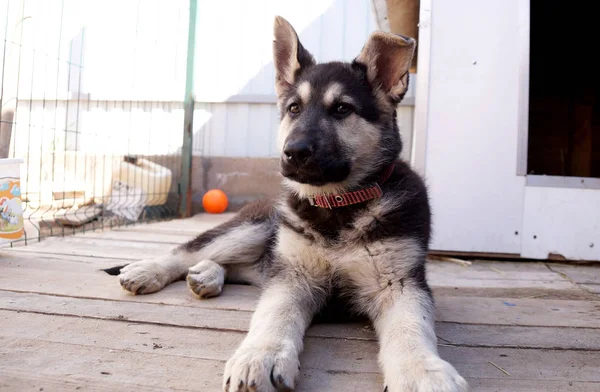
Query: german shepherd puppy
point(353, 223)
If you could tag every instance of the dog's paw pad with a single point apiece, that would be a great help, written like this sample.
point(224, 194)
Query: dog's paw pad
point(206, 279)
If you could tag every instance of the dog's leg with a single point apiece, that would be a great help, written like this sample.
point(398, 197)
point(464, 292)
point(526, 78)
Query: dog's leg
point(395, 294)
point(240, 241)
point(408, 353)
point(267, 360)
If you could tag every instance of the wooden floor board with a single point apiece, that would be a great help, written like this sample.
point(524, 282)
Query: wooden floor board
point(585, 274)
point(169, 239)
point(82, 272)
point(559, 338)
point(66, 325)
point(75, 246)
point(592, 288)
point(475, 335)
point(470, 310)
point(58, 336)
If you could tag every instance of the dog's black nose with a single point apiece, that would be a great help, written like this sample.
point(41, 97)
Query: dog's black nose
point(297, 152)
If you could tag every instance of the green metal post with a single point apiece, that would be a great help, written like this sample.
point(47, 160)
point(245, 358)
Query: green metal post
point(185, 208)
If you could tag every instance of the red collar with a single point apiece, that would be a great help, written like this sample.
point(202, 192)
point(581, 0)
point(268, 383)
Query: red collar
point(349, 198)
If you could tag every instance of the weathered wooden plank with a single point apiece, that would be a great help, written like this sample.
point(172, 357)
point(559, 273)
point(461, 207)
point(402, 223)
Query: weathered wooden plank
point(592, 288)
point(190, 226)
point(97, 365)
point(156, 230)
point(483, 269)
point(78, 279)
point(41, 274)
point(188, 317)
point(22, 380)
point(75, 246)
point(480, 270)
point(519, 311)
point(25, 382)
point(199, 222)
point(26, 259)
point(444, 285)
point(471, 310)
point(508, 384)
point(444, 281)
point(327, 356)
point(127, 311)
point(74, 279)
point(171, 239)
point(174, 316)
point(80, 264)
point(180, 317)
point(524, 364)
point(176, 360)
point(501, 279)
point(309, 381)
point(518, 336)
point(585, 274)
point(527, 292)
point(336, 355)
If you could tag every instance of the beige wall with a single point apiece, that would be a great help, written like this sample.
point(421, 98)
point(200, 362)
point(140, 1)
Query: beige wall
point(242, 179)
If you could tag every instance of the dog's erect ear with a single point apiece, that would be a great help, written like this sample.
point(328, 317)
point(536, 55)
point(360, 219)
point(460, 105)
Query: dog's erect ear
point(387, 58)
point(289, 55)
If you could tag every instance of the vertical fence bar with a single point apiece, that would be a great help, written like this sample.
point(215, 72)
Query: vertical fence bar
point(185, 208)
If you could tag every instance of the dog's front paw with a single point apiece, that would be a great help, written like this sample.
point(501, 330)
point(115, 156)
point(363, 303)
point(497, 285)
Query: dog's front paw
point(206, 279)
point(261, 368)
point(143, 277)
point(431, 374)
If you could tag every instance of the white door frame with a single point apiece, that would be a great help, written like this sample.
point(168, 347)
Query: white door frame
point(421, 111)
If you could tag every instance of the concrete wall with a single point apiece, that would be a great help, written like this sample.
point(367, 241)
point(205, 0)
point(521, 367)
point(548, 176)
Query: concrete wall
point(242, 179)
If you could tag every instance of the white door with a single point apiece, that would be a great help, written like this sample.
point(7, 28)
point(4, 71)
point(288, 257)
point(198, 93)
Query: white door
point(470, 139)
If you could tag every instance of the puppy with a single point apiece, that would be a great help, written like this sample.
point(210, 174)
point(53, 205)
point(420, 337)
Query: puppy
point(353, 222)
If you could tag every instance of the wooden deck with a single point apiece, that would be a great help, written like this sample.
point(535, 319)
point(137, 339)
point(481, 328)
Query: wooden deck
point(65, 325)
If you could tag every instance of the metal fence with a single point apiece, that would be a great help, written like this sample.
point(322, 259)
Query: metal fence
point(91, 101)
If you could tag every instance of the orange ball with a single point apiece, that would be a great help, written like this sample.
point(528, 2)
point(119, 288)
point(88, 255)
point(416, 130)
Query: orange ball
point(215, 201)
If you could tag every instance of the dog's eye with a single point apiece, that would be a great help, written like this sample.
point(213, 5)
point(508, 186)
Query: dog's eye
point(343, 109)
point(294, 108)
